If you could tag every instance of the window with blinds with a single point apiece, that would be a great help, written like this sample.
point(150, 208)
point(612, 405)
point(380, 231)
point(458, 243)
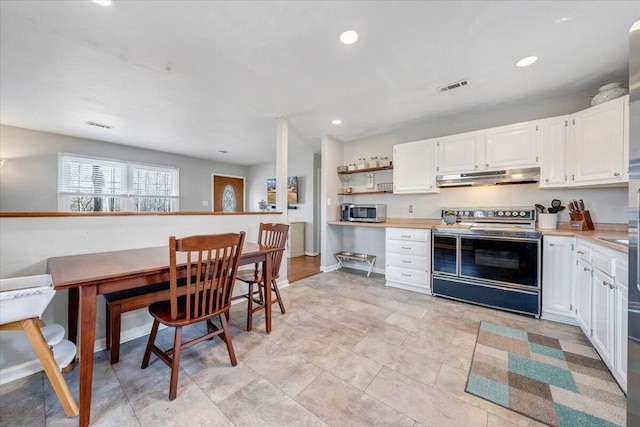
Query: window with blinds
point(89, 184)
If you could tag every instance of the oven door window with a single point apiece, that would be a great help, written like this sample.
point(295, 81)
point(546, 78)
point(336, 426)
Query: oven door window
point(507, 261)
point(445, 254)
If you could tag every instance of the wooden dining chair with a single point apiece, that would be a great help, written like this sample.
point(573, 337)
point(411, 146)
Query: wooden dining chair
point(212, 264)
point(270, 235)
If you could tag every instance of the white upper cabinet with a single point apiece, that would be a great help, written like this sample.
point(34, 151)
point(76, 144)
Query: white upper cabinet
point(597, 144)
point(414, 166)
point(461, 153)
point(552, 136)
point(511, 146)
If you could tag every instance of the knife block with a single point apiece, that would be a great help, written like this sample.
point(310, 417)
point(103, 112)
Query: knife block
point(581, 221)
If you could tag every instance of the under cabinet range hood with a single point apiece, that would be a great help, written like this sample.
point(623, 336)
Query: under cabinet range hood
point(504, 176)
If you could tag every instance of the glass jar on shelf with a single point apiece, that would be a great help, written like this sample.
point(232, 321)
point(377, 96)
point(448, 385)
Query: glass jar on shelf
point(362, 163)
point(385, 162)
point(374, 162)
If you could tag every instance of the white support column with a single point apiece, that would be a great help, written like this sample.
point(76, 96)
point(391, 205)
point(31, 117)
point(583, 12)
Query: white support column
point(282, 161)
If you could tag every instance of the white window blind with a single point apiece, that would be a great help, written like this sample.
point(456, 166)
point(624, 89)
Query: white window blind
point(84, 175)
point(95, 185)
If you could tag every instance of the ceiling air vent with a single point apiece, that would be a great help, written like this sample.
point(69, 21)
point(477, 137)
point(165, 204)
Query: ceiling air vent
point(454, 85)
point(99, 125)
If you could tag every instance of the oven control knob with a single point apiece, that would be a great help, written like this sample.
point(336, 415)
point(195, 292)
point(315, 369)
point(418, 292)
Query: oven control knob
point(466, 213)
point(514, 213)
point(522, 213)
point(507, 213)
point(500, 213)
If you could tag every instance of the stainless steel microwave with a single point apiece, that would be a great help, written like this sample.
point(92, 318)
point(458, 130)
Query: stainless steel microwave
point(367, 213)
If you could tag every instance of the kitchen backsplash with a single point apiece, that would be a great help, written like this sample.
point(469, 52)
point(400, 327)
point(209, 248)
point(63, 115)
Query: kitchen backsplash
point(607, 205)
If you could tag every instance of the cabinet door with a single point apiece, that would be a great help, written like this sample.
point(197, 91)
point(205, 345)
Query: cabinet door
point(597, 144)
point(552, 135)
point(583, 296)
point(557, 279)
point(461, 153)
point(602, 315)
point(413, 167)
point(511, 146)
point(621, 323)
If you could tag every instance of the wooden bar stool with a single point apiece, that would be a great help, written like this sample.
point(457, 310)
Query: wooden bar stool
point(270, 235)
point(22, 302)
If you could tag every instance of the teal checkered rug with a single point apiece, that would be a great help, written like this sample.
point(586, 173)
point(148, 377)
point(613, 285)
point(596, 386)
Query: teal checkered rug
point(557, 382)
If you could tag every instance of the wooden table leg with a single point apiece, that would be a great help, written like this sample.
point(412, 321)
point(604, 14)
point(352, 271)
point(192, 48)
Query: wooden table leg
point(88, 304)
point(72, 314)
point(266, 273)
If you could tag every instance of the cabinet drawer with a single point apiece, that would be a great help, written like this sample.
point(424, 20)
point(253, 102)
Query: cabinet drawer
point(407, 247)
point(408, 261)
point(584, 252)
point(416, 277)
point(408, 234)
point(602, 262)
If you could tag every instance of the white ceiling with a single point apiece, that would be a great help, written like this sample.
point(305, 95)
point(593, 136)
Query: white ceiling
point(195, 77)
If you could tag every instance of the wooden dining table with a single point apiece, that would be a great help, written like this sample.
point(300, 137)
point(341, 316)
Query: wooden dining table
point(88, 275)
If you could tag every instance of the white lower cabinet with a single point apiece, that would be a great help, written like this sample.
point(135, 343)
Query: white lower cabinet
point(601, 304)
point(621, 322)
point(602, 314)
point(583, 296)
point(558, 252)
point(408, 259)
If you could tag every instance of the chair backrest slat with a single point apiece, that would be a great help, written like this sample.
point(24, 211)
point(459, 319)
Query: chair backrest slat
point(212, 264)
point(272, 234)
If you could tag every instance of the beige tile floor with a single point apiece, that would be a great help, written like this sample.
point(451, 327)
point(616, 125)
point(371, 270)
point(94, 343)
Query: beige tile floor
point(349, 351)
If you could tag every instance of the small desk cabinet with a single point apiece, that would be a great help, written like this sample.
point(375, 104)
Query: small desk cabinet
point(296, 239)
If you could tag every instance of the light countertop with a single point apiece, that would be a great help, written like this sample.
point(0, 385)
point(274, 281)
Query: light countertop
point(604, 231)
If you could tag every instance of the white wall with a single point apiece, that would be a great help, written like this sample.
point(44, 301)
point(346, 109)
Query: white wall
point(33, 166)
point(302, 163)
point(27, 243)
point(257, 176)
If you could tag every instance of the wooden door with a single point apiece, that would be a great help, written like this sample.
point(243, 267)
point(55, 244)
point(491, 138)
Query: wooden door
point(228, 193)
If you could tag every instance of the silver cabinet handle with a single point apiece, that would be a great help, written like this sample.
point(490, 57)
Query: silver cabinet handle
point(616, 174)
point(476, 166)
point(486, 165)
point(581, 253)
point(604, 282)
point(546, 180)
point(586, 269)
point(406, 275)
point(405, 235)
point(406, 247)
point(405, 261)
point(552, 244)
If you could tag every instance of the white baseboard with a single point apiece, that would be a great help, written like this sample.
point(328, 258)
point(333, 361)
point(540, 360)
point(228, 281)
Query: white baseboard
point(312, 253)
point(22, 370)
point(329, 268)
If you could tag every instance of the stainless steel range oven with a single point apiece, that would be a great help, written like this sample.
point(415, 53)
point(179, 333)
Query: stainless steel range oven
point(490, 256)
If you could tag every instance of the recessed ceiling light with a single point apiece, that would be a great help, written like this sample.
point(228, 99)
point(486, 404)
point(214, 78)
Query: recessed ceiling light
point(525, 62)
point(103, 2)
point(349, 37)
point(336, 122)
point(223, 151)
point(563, 19)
